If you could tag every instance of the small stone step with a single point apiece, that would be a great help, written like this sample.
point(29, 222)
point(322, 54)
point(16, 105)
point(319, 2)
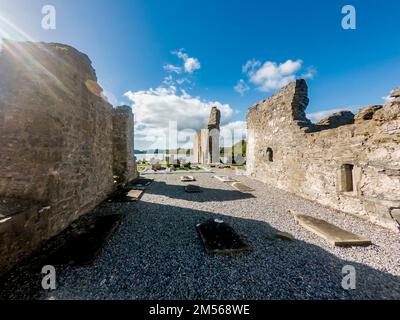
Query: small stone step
point(225, 179)
point(330, 232)
point(242, 187)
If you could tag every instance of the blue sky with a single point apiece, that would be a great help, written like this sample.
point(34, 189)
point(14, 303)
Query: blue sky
point(130, 43)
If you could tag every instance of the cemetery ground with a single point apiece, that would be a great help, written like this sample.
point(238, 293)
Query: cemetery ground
point(156, 251)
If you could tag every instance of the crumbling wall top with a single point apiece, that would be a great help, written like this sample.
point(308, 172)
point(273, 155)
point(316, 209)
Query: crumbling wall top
point(290, 103)
point(395, 93)
point(215, 119)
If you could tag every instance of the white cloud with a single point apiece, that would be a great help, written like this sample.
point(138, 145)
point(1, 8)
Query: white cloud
point(172, 69)
point(168, 80)
point(190, 64)
point(233, 132)
point(309, 74)
point(270, 75)
point(171, 81)
point(182, 81)
point(250, 66)
point(157, 109)
point(388, 98)
point(241, 87)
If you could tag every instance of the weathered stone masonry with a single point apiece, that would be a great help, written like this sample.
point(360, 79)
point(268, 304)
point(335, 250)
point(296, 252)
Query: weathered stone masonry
point(62, 144)
point(350, 163)
point(124, 165)
point(206, 142)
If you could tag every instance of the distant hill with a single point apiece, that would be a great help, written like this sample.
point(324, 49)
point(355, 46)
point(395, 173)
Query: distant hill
point(161, 151)
point(239, 147)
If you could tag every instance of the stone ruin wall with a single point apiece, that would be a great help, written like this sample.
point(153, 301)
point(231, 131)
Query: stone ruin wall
point(349, 163)
point(124, 161)
point(60, 141)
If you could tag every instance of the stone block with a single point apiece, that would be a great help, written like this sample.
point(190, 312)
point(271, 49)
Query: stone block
point(242, 187)
point(333, 234)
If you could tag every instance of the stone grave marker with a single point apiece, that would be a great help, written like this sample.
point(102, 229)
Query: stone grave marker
point(335, 235)
point(82, 242)
point(188, 179)
point(126, 195)
point(220, 238)
point(242, 187)
point(191, 188)
point(134, 195)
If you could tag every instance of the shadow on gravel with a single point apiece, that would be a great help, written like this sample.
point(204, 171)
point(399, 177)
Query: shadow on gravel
point(157, 254)
point(207, 194)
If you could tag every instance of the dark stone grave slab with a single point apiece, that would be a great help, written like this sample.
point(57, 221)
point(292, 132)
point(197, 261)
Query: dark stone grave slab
point(220, 238)
point(81, 243)
point(78, 245)
point(191, 188)
point(140, 183)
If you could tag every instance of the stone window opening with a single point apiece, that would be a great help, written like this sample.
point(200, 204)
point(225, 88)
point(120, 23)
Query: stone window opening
point(347, 173)
point(210, 149)
point(270, 155)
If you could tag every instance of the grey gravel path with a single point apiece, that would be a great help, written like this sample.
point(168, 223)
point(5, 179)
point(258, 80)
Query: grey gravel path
point(156, 253)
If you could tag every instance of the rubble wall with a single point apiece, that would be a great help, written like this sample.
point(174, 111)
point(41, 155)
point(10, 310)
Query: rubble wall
point(56, 150)
point(349, 163)
point(124, 167)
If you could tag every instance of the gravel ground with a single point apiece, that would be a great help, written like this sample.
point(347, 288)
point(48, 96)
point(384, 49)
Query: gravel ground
point(156, 253)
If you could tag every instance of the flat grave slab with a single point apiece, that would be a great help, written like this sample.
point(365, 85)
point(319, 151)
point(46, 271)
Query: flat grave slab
point(188, 179)
point(82, 242)
point(225, 178)
point(335, 235)
point(220, 238)
point(126, 195)
point(135, 195)
point(242, 187)
point(191, 188)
